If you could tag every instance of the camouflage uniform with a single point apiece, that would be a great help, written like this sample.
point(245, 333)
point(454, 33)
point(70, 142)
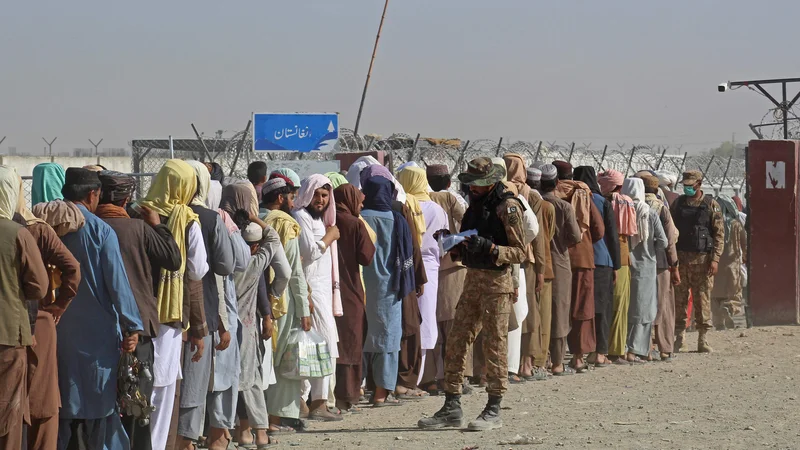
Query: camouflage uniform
point(485, 305)
point(693, 269)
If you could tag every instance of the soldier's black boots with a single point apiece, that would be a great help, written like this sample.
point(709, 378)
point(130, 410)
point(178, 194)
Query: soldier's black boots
point(489, 419)
point(449, 416)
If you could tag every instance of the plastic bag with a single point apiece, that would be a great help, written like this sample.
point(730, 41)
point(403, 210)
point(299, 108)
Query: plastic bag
point(306, 356)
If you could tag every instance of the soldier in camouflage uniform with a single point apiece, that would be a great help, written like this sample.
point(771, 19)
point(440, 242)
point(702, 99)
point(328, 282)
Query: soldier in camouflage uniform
point(700, 244)
point(485, 303)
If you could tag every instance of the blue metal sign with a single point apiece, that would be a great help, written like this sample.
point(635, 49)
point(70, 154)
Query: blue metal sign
point(295, 132)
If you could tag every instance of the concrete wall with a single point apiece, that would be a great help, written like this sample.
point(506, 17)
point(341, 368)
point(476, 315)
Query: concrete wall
point(25, 164)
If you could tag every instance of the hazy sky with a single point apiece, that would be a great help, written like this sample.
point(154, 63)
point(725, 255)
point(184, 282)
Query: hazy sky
point(593, 71)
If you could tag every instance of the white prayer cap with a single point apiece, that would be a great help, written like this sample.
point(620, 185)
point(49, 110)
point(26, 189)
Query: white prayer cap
point(252, 233)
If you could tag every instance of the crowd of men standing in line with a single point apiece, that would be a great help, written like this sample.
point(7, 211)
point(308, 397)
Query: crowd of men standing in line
point(206, 279)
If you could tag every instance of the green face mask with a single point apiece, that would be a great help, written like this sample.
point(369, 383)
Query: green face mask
point(689, 190)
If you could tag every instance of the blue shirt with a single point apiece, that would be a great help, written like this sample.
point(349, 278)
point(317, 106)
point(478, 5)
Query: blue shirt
point(601, 255)
point(91, 329)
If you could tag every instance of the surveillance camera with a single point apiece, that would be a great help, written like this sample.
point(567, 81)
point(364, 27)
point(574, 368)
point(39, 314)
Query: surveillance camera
point(723, 87)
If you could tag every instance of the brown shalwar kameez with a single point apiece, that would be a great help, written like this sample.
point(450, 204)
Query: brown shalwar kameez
point(21, 260)
point(351, 325)
point(582, 338)
point(44, 396)
point(567, 234)
point(664, 325)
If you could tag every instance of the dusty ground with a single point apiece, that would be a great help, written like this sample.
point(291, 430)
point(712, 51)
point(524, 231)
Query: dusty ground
point(733, 398)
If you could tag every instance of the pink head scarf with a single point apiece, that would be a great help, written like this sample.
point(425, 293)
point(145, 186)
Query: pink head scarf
point(624, 208)
point(304, 197)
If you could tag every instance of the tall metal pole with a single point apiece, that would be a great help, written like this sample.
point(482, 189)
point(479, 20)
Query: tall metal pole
point(630, 161)
point(369, 72)
point(725, 175)
point(171, 148)
point(538, 150)
point(785, 109)
point(571, 150)
point(603, 158)
point(661, 159)
point(499, 146)
point(705, 172)
point(205, 149)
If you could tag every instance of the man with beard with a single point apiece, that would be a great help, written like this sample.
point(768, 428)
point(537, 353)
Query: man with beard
point(485, 303)
point(145, 244)
point(291, 311)
point(315, 212)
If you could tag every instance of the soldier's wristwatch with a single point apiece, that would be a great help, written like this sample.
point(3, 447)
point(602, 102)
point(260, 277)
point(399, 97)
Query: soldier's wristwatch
point(495, 251)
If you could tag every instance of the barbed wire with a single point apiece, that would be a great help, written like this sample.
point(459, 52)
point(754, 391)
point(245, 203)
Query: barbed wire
point(234, 154)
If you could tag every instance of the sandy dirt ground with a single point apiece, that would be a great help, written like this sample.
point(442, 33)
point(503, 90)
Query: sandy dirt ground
point(744, 395)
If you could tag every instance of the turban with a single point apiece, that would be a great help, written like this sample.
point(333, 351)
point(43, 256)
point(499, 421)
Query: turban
point(564, 170)
point(549, 172)
point(290, 174)
point(117, 186)
point(609, 180)
point(650, 182)
point(216, 172)
point(406, 165)
point(666, 178)
point(337, 179)
point(287, 181)
point(533, 174)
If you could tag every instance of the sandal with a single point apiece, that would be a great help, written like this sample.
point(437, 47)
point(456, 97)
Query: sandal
point(280, 430)
point(390, 401)
point(637, 360)
point(666, 357)
point(412, 394)
point(540, 374)
point(567, 371)
point(325, 416)
point(515, 379)
point(621, 361)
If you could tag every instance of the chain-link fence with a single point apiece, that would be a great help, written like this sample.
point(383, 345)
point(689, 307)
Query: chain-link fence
point(234, 154)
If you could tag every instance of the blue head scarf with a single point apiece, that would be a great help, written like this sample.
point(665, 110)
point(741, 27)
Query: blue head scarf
point(379, 196)
point(48, 179)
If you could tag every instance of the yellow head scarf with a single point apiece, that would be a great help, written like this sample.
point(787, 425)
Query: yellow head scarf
point(22, 207)
point(415, 183)
point(9, 192)
point(170, 194)
point(204, 177)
